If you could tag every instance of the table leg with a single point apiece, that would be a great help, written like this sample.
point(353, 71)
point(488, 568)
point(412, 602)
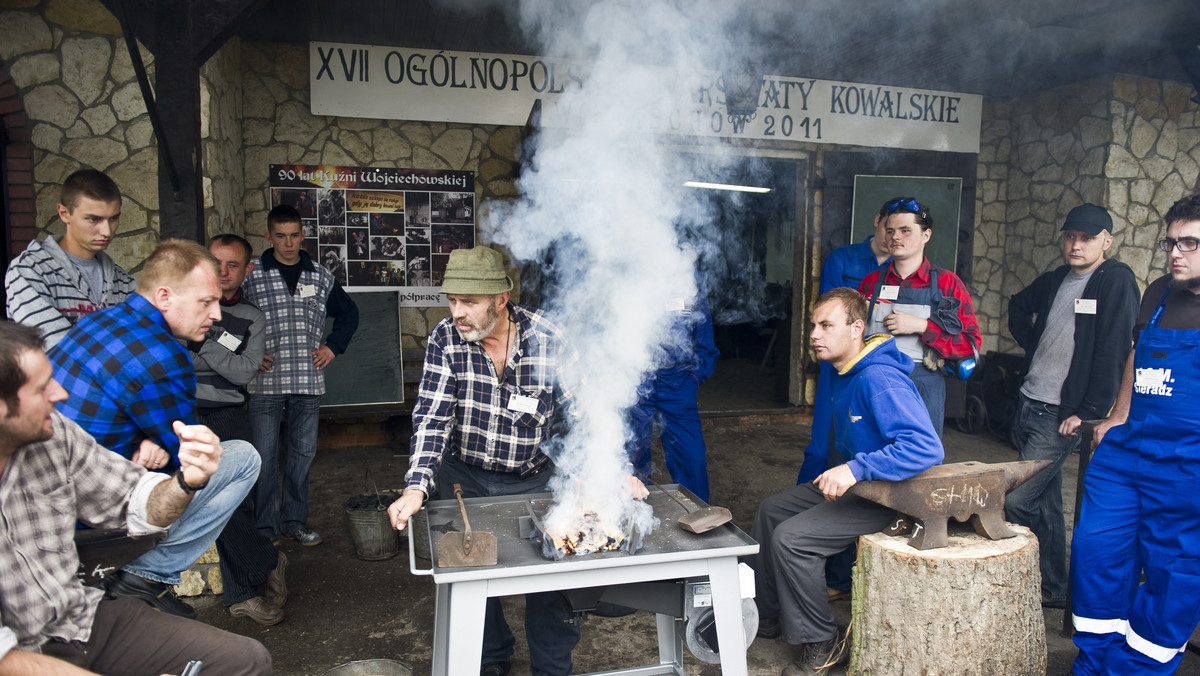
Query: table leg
point(458, 647)
point(727, 610)
point(670, 641)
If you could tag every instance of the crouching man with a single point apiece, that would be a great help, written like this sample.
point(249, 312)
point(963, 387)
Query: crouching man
point(52, 474)
point(881, 431)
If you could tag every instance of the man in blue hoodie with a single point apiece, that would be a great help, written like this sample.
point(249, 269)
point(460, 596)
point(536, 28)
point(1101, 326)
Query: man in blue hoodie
point(883, 430)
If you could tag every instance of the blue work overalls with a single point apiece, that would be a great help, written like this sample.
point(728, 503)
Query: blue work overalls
point(1141, 513)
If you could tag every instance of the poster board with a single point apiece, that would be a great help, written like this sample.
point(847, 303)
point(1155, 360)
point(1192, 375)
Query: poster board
point(371, 371)
point(941, 196)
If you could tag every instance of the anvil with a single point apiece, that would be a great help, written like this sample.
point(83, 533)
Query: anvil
point(964, 490)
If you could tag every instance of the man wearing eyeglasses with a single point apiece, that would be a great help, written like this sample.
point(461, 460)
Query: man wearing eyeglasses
point(1074, 325)
point(927, 309)
point(1140, 513)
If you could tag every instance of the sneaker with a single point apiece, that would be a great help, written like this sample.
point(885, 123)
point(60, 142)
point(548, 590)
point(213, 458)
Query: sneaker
point(276, 592)
point(258, 610)
point(159, 595)
point(305, 536)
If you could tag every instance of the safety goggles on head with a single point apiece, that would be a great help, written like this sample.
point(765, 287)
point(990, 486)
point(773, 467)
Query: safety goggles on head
point(1186, 245)
point(909, 205)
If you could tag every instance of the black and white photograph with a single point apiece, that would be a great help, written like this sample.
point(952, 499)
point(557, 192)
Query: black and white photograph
point(416, 205)
point(333, 259)
point(420, 272)
point(331, 234)
point(416, 235)
point(452, 207)
point(357, 220)
point(331, 206)
point(387, 248)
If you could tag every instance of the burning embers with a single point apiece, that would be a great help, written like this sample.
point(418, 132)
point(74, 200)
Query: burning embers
point(567, 532)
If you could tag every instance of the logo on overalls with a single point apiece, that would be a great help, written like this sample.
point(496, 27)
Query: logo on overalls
point(1153, 381)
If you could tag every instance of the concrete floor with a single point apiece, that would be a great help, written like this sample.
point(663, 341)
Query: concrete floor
point(343, 609)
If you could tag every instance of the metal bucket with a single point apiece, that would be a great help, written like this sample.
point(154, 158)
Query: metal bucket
point(373, 535)
point(370, 668)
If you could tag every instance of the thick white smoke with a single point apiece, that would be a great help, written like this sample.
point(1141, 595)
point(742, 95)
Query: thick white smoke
point(608, 199)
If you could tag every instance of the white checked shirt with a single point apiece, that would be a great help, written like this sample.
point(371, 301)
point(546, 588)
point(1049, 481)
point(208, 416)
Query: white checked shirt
point(45, 488)
point(463, 408)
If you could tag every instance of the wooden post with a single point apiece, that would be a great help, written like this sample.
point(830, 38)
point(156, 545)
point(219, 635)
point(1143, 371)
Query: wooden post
point(973, 607)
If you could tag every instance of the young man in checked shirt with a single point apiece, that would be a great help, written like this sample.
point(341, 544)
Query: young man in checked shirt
point(129, 379)
point(53, 474)
point(489, 394)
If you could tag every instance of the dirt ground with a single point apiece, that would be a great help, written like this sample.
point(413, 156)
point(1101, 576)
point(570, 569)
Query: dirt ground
point(342, 608)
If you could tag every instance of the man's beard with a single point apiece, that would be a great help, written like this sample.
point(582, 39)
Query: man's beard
point(1189, 284)
point(478, 333)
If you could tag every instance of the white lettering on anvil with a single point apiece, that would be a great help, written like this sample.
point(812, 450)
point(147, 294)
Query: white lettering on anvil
point(1153, 381)
point(100, 572)
point(975, 495)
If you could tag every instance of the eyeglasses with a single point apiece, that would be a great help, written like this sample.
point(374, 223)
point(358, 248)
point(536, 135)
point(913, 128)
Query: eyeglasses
point(908, 204)
point(1186, 245)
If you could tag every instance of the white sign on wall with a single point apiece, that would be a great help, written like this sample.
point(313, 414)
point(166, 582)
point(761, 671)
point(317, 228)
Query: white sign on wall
point(478, 88)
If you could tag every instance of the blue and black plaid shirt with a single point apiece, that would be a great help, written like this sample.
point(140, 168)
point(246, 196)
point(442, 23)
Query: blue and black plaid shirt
point(127, 378)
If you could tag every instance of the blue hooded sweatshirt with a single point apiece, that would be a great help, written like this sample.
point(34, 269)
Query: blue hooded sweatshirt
point(879, 421)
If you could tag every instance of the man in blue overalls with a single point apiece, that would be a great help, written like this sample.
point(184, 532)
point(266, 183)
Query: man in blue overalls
point(1140, 513)
point(688, 358)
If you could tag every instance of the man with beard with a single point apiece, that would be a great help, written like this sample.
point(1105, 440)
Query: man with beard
point(1140, 514)
point(489, 395)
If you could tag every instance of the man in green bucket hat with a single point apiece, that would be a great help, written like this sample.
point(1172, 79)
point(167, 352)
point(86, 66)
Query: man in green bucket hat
point(489, 393)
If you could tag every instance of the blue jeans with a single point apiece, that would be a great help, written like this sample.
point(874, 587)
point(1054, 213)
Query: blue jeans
point(1037, 503)
point(204, 519)
point(276, 513)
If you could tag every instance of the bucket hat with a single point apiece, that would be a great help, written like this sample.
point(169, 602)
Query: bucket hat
point(1088, 218)
point(478, 271)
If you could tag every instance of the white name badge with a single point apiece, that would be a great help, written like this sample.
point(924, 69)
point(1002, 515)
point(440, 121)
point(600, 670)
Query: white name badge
point(523, 404)
point(1085, 306)
point(308, 290)
point(675, 305)
point(889, 292)
point(229, 341)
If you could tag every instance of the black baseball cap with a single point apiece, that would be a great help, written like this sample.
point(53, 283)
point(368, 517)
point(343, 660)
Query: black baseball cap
point(1088, 218)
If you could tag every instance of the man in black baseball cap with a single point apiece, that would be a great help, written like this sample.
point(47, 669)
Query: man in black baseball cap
point(1075, 324)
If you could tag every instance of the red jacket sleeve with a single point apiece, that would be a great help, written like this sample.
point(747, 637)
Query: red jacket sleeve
point(967, 342)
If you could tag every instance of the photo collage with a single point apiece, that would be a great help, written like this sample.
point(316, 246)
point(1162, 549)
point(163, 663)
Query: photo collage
point(371, 238)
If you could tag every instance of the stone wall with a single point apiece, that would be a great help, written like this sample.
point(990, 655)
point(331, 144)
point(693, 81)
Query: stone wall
point(278, 128)
point(221, 140)
point(1129, 144)
point(75, 78)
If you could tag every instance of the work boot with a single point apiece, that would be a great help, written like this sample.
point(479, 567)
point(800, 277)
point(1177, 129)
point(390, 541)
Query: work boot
point(817, 658)
point(495, 669)
point(158, 594)
point(258, 610)
point(276, 592)
point(768, 627)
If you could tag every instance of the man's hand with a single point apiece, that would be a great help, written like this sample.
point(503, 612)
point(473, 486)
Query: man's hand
point(901, 323)
point(267, 364)
point(403, 508)
point(835, 482)
point(321, 357)
point(1070, 426)
point(638, 488)
point(199, 452)
point(150, 455)
point(1102, 429)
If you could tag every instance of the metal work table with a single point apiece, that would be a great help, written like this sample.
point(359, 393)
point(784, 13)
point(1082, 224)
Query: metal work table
point(668, 553)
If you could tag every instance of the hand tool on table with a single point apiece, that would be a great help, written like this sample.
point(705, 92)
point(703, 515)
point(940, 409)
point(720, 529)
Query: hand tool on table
point(468, 548)
point(699, 521)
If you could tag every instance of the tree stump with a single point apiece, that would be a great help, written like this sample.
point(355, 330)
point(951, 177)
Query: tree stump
point(973, 607)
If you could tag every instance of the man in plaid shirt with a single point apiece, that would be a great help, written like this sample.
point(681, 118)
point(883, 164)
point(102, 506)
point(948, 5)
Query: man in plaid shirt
point(53, 474)
point(489, 395)
point(129, 379)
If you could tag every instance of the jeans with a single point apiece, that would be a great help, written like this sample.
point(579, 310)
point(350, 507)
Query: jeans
point(550, 627)
point(275, 513)
point(204, 519)
point(1037, 503)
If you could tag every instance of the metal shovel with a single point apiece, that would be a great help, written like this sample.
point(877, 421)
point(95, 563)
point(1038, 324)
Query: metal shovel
point(469, 548)
point(700, 521)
